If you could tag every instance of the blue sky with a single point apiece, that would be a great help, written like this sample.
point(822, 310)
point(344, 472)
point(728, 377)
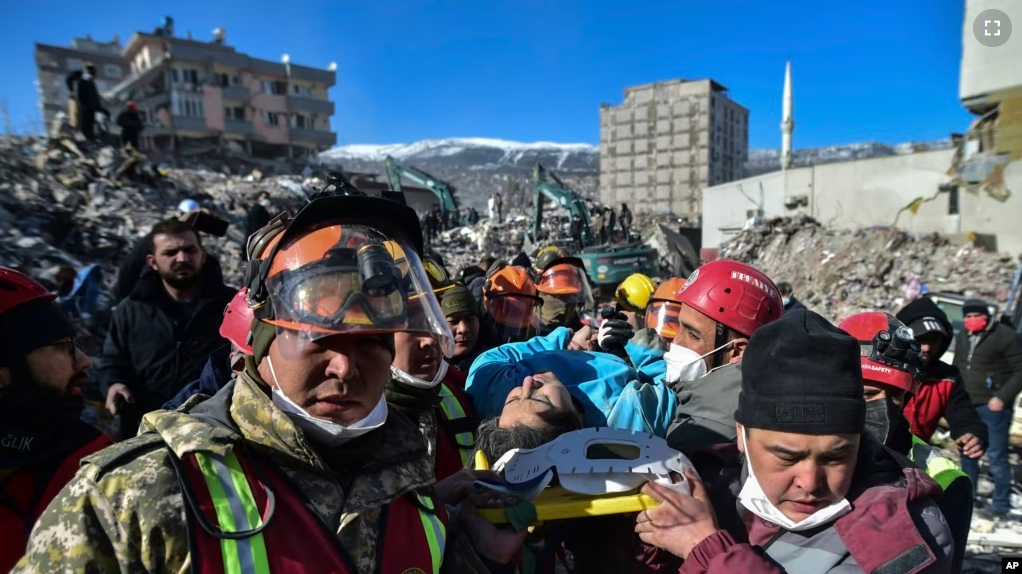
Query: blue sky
point(528, 70)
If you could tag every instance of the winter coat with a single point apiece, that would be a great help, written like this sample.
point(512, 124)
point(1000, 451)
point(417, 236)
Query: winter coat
point(611, 391)
point(995, 355)
point(84, 91)
point(793, 305)
point(154, 350)
point(888, 494)
point(706, 410)
point(215, 375)
point(256, 218)
point(130, 123)
point(941, 391)
point(123, 511)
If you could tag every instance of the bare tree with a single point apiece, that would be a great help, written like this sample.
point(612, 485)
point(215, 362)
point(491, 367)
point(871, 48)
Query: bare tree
point(5, 113)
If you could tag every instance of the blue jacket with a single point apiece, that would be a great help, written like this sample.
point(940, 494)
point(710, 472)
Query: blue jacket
point(214, 376)
point(611, 392)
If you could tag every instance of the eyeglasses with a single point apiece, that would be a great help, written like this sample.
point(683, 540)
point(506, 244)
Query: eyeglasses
point(71, 347)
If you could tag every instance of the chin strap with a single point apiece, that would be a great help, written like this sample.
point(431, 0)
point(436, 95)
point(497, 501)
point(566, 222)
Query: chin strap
point(719, 343)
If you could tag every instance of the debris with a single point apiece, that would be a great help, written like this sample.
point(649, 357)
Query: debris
point(840, 272)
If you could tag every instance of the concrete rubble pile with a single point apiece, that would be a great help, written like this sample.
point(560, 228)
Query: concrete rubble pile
point(62, 205)
point(841, 272)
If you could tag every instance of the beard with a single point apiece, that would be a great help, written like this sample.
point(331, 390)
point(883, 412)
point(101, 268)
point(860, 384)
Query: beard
point(182, 277)
point(27, 395)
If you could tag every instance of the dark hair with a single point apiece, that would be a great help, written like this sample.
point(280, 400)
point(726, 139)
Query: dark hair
point(171, 227)
point(785, 288)
point(262, 194)
point(487, 261)
point(495, 440)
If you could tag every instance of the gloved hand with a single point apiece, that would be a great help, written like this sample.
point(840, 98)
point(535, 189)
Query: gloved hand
point(614, 333)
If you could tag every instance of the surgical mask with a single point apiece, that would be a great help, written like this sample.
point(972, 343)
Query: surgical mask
point(684, 364)
point(264, 202)
point(404, 378)
point(785, 301)
point(883, 419)
point(323, 432)
point(755, 501)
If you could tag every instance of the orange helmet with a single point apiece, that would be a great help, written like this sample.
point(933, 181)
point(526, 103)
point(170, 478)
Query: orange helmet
point(664, 308)
point(565, 291)
point(512, 301)
point(344, 265)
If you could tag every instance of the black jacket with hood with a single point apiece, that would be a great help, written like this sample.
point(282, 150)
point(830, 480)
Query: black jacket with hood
point(942, 391)
point(996, 357)
point(154, 349)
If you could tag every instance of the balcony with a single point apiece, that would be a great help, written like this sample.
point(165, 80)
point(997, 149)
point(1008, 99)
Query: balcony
point(184, 123)
point(314, 136)
point(300, 104)
point(235, 93)
point(237, 126)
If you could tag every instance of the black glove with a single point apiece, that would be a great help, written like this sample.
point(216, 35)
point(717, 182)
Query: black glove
point(614, 333)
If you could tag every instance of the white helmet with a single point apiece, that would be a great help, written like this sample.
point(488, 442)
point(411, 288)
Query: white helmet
point(188, 206)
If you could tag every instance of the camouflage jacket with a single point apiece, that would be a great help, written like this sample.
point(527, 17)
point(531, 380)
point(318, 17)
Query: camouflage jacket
point(124, 512)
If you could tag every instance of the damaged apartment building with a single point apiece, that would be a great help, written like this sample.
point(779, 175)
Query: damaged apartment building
point(194, 93)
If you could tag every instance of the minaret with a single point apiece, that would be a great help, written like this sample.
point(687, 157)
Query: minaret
point(787, 120)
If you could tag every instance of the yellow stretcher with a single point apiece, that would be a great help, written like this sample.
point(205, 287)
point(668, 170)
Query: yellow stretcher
point(555, 503)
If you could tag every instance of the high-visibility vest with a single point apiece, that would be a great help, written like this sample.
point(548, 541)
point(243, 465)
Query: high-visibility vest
point(457, 423)
point(941, 469)
point(247, 519)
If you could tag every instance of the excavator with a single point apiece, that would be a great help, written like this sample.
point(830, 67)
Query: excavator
point(607, 264)
point(443, 190)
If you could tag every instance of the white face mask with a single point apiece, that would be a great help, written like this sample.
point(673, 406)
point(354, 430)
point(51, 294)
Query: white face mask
point(264, 202)
point(785, 301)
point(684, 364)
point(404, 378)
point(755, 501)
point(325, 432)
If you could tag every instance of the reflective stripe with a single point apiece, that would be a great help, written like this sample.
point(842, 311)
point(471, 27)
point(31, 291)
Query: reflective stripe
point(236, 511)
point(453, 411)
point(436, 533)
point(941, 469)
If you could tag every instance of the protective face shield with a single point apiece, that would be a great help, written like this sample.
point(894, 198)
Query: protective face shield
point(513, 318)
point(662, 316)
point(565, 291)
point(343, 279)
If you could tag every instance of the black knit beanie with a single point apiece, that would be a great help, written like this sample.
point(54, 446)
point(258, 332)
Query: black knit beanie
point(800, 374)
point(975, 306)
point(31, 326)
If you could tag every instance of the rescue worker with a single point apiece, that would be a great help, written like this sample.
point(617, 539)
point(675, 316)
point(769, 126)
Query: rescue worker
point(722, 304)
point(87, 102)
point(131, 124)
point(511, 306)
point(788, 297)
point(814, 492)
point(428, 390)
point(43, 438)
point(462, 315)
point(632, 296)
point(891, 371)
point(321, 478)
point(989, 356)
point(663, 309)
point(941, 392)
point(564, 290)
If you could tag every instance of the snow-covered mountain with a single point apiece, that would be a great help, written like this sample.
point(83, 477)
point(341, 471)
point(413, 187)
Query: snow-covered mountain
point(476, 153)
point(479, 167)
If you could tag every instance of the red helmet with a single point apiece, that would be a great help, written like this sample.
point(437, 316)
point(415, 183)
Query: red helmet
point(890, 354)
point(237, 322)
point(16, 288)
point(733, 294)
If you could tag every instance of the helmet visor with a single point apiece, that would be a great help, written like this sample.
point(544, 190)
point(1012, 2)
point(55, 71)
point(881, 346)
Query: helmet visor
point(358, 288)
point(566, 279)
point(516, 316)
point(662, 316)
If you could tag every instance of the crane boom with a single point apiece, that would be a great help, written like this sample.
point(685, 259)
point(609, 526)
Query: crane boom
point(551, 187)
point(443, 190)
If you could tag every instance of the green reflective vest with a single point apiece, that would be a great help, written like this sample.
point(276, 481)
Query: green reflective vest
point(940, 468)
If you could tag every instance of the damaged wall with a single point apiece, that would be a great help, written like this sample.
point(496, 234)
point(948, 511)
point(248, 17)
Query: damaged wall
point(867, 193)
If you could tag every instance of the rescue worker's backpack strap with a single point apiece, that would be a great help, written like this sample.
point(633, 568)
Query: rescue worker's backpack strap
point(941, 469)
point(457, 425)
point(226, 510)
